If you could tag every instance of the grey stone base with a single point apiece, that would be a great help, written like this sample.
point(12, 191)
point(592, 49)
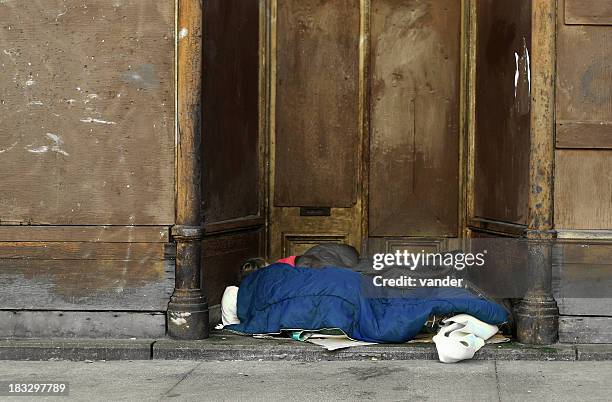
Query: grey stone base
point(223, 347)
point(75, 349)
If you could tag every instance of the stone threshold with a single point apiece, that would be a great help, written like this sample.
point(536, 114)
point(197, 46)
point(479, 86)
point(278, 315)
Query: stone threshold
point(224, 346)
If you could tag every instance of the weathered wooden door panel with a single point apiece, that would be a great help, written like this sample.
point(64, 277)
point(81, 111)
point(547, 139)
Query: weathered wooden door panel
point(584, 86)
point(583, 189)
point(583, 180)
point(502, 120)
point(414, 149)
point(87, 110)
point(317, 103)
point(231, 152)
point(588, 12)
point(583, 168)
point(232, 178)
point(315, 126)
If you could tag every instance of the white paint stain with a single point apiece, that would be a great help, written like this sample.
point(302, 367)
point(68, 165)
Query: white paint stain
point(56, 147)
point(30, 82)
point(516, 74)
point(93, 96)
point(39, 150)
point(54, 137)
point(35, 103)
point(62, 13)
point(8, 149)
point(11, 53)
point(96, 121)
point(178, 321)
point(179, 318)
point(183, 33)
point(527, 68)
point(69, 101)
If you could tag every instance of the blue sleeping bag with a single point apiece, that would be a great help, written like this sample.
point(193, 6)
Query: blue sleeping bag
point(282, 297)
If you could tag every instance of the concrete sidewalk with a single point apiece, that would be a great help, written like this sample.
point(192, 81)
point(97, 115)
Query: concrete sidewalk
point(338, 380)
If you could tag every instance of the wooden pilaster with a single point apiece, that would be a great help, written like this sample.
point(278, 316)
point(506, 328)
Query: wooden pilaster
point(538, 314)
point(188, 308)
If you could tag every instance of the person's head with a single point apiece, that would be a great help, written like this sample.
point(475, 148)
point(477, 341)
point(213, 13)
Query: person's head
point(250, 265)
point(329, 255)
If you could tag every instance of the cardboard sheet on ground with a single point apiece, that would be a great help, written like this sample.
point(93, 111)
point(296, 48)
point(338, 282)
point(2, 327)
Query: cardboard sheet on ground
point(428, 338)
point(335, 340)
point(330, 339)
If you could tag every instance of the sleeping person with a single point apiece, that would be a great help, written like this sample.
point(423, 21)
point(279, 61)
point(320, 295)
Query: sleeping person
point(328, 288)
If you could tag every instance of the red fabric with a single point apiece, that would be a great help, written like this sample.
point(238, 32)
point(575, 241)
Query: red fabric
point(289, 260)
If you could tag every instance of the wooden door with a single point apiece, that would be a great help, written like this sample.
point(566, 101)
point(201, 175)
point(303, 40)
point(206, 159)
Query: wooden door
point(501, 133)
point(363, 123)
point(315, 124)
point(232, 151)
point(414, 123)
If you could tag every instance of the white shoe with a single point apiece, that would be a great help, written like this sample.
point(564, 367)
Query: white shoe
point(454, 345)
point(461, 337)
point(473, 325)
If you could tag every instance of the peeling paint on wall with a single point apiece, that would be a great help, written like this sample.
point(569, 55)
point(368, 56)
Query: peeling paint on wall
point(76, 70)
point(178, 318)
point(96, 121)
point(56, 147)
point(9, 148)
point(517, 73)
